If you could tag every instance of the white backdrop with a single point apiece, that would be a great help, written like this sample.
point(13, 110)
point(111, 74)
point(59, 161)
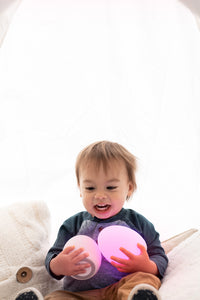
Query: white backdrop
point(74, 72)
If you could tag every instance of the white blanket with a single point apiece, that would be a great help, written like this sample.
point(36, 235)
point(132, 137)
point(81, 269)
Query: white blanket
point(182, 278)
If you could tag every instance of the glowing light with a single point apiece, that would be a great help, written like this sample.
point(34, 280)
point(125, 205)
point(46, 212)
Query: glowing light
point(94, 258)
point(113, 237)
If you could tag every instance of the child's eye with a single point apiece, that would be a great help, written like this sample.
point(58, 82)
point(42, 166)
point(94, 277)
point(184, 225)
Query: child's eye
point(110, 187)
point(89, 188)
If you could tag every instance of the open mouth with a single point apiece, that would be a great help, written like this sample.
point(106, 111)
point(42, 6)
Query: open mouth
point(102, 207)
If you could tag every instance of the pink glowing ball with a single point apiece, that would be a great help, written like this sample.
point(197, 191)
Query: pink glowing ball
point(113, 237)
point(94, 258)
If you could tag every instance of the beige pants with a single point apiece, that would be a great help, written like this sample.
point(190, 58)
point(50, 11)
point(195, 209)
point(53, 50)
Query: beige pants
point(116, 291)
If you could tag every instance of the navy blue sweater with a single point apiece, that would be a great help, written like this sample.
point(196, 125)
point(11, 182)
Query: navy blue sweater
point(84, 223)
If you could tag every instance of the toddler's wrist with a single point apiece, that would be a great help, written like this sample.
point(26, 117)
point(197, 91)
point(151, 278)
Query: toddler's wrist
point(54, 267)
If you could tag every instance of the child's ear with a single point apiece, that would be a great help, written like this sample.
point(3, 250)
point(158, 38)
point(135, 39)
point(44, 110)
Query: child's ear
point(130, 189)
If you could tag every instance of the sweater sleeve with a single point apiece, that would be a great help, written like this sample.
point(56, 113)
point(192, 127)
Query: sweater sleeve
point(68, 229)
point(155, 251)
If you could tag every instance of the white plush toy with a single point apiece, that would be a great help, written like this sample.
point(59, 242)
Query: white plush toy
point(24, 242)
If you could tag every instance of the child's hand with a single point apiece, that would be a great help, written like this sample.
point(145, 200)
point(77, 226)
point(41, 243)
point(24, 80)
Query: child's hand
point(135, 263)
point(66, 263)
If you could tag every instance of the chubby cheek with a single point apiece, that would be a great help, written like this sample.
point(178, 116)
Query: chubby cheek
point(120, 200)
point(87, 202)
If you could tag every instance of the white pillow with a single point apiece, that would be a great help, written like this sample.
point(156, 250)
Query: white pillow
point(182, 277)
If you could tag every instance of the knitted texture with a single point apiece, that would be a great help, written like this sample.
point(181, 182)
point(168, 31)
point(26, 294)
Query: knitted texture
point(24, 236)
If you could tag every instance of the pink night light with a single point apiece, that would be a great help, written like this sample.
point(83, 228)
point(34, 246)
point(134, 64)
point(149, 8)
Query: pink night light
point(94, 258)
point(113, 237)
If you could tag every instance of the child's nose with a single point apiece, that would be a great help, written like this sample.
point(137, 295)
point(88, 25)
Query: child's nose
point(100, 195)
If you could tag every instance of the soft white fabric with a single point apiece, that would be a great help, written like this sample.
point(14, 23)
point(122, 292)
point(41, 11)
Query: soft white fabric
point(194, 6)
point(7, 10)
point(24, 233)
point(182, 278)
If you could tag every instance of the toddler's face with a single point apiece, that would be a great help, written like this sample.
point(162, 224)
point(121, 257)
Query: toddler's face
point(104, 193)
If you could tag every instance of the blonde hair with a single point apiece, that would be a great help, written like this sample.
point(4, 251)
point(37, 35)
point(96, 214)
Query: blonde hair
point(101, 153)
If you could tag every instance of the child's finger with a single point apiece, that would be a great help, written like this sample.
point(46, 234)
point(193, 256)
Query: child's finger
point(117, 259)
point(127, 253)
point(141, 247)
point(80, 257)
point(67, 250)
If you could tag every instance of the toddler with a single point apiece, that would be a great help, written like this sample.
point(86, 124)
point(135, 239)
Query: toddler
point(105, 174)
